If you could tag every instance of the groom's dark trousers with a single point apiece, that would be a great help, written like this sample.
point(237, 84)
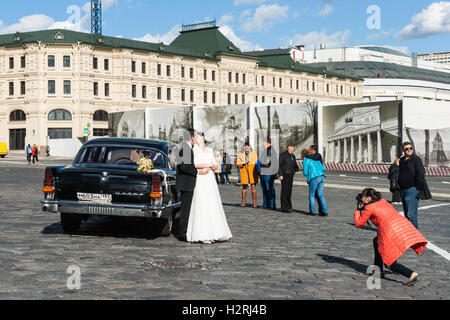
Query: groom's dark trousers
point(186, 178)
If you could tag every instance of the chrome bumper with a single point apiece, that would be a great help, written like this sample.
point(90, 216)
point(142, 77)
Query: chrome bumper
point(109, 209)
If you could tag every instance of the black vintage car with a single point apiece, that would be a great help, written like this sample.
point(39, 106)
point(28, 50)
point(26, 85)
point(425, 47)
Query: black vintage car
point(103, 180)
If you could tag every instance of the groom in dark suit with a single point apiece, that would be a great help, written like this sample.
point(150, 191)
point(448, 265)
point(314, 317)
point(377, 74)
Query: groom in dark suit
point(186, 178)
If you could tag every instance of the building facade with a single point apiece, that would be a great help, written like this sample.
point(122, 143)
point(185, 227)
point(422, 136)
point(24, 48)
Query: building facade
point(438, 57)
point(63, 84)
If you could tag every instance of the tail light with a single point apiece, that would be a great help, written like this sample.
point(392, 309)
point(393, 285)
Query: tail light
point(49, 181)
point(156, 187)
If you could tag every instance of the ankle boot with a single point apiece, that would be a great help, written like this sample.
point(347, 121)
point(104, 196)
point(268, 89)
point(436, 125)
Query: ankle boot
point(244, 197)
point(254, 199)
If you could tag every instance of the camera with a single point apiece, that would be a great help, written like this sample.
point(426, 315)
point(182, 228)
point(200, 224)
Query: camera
point(359, 197)
point(359, 202)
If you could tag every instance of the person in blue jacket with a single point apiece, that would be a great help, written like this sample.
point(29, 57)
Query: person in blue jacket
point(314, 170)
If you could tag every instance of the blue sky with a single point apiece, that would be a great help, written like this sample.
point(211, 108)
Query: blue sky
point(410, 26)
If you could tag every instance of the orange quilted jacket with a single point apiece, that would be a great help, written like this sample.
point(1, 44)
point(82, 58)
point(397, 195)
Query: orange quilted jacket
point(395, 233)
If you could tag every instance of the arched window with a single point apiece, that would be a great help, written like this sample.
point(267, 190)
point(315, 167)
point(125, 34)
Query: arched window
point(17, 115)
point(100, 115)
point(60, 114)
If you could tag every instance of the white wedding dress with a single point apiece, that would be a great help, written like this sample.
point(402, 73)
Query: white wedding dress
point(207, 221)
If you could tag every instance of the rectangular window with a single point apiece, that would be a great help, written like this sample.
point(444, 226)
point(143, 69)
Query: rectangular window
point(100, 132)
point(183, 94)
point(144, 67)
point(263, 99)
point(243, 78)
point(296, 84)
point(95, 88)
point(168, 71)
point(280, 82)
point(273, 82)
point(158, 93)
point(307, 85)
point(191, 95)
point(60, 133)
point(205, 96)
point(313, 86)
point(106, 64)
point(292, 101)
point(182, 72)
point(274, 100)
point(158, 68)
point(213, 97)
point(144, 92)
point(262, 81)
point(354, 91)
point(237, 77)
point(67, 87)
point(229, 98)
point(51, 87)
point(342, 90)
point(169, 96)
point(213, 75)
point(230, 76)
point(106, 89)
point(256, 80)
point(22, 88)
point(11, 63)
point(191, 73)
point(236, 99)
point(290, 83)
point(22, 62)
point(51, 61)
point(243, 99)
point(281, 100)
point(133, 66)
point(95, 63)
point(205, 74)
point(66, 61)
point(256, 98)
point(133, 91)
point(11, 88)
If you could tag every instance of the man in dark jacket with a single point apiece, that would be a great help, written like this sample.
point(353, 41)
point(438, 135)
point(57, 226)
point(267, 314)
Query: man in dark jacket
point(269, 168)
point(412, 183)
point(186, 177)
point(288, 167)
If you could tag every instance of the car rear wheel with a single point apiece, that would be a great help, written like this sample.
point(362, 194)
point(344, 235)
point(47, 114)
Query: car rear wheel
point(70, 221)
point(161, 227)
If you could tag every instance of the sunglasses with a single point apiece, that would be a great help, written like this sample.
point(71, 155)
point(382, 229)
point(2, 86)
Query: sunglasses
point(407, 149)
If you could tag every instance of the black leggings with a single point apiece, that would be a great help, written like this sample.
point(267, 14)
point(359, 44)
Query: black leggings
point(396, 267)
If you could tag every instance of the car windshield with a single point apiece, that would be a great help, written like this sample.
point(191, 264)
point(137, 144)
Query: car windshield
point(118, 156)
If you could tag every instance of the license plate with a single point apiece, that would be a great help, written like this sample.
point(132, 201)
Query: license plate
point(94, 197)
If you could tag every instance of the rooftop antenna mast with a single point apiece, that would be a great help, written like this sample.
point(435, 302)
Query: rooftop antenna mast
point(96, 17)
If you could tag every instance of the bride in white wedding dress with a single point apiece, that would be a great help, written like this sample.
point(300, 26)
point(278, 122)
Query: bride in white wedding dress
point(207, 221)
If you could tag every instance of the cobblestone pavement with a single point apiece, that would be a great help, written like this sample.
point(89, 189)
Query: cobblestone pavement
point(272, 255)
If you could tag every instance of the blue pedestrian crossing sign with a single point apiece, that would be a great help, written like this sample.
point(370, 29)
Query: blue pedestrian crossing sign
point(86, 131)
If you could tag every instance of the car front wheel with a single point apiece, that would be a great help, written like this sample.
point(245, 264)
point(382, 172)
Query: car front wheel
point(70, 221)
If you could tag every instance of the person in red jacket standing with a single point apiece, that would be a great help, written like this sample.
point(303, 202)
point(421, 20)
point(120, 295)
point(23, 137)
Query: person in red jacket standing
point(395, 233)
point(35, 152)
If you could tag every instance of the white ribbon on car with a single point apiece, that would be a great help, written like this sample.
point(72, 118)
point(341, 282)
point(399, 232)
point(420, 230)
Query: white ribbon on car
point(164, 173)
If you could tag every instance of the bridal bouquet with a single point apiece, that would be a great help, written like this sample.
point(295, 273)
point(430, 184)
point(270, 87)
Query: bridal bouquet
point(145, 165)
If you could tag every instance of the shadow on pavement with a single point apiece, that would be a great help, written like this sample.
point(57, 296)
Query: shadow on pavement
point(358, 267)
point(118, 227)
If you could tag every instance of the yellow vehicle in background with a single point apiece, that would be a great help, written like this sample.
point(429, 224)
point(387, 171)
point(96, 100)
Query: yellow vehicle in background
point(3, 149)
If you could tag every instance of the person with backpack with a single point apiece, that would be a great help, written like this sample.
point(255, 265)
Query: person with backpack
point(35, 153)
point(393, 179)
point(29, 153)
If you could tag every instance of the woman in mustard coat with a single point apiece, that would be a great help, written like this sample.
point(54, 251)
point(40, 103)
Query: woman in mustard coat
point(247, 161)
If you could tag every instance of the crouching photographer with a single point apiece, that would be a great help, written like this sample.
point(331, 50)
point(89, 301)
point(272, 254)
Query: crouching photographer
point(395, 233)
